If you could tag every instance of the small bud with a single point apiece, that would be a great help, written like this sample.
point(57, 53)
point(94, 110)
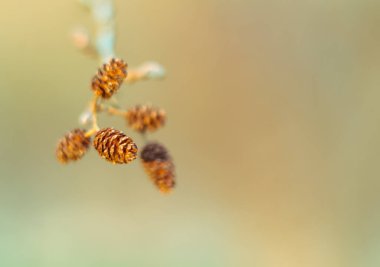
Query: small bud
point(85, 117)
point(80, 37)
point(152, 70)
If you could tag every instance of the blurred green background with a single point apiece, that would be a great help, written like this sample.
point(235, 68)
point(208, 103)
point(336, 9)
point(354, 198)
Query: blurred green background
point(273, 124)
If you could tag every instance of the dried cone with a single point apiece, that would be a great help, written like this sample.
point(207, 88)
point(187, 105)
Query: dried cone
point(109, 78)
point(115, 146)
point(72, 146)
point(159, 166)
point(143, 117)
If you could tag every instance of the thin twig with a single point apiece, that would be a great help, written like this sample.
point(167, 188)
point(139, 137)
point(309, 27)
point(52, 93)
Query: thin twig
point(94, 116)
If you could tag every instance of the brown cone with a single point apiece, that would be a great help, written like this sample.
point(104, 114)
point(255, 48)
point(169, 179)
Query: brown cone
point(72, 146)
point(115, 146)
point(143, 118)
point(109, 78)
point(159, 166)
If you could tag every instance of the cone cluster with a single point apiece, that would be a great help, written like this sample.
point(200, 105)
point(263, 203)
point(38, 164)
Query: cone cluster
point(115, 146)
point(144, 118)
point(72, 146)
point(159, 166)
point(109, 78)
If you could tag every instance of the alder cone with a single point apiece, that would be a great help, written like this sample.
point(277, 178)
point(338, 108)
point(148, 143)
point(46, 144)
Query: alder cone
point(159, 166)
point(115, 146)
point(72, 146)
point(142, 118)
point(109, 78)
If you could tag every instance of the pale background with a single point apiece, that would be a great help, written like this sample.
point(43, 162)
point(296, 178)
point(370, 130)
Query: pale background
point(274, 125)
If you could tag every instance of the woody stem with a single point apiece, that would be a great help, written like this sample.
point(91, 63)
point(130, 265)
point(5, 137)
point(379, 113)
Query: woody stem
point(94, 108)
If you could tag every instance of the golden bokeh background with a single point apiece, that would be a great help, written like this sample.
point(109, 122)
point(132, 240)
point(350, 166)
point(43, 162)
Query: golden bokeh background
point(274, 125)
